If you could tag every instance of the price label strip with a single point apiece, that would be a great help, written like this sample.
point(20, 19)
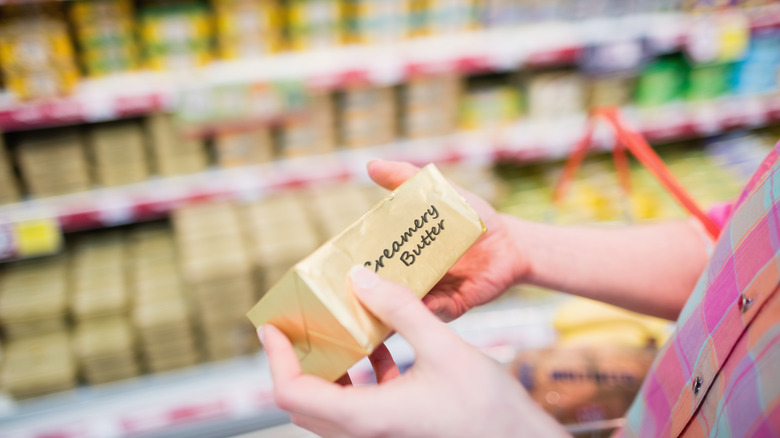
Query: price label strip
point(30, 238)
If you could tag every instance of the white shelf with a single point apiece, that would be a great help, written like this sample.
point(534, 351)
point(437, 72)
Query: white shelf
point(235, 396)
point(551, 43)
point(526, 140)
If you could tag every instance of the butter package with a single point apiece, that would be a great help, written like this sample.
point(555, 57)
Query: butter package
point(413, 236)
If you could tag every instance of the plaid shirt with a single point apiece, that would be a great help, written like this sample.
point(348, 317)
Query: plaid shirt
point(719, 374)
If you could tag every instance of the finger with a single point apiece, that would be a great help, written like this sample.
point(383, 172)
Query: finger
point(390, 174)
point(384, 366)
point(296, 392)
point(399, 309)
point(344, 380)
point(282, 360)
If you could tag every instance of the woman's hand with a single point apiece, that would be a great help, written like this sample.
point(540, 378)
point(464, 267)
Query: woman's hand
point(487, 269)
point(452, 390)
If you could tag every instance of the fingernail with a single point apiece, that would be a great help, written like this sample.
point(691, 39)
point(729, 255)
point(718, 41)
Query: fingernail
point(363, 278)
point(261, 335)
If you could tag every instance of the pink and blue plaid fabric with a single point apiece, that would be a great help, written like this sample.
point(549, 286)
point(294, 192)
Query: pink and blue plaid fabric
point(719, 374)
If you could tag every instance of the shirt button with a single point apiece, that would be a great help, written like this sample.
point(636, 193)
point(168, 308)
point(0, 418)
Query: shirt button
point(696, 385)
point(744, 303)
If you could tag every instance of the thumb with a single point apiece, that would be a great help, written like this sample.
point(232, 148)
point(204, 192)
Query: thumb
point(390, 174)
point(398, 308)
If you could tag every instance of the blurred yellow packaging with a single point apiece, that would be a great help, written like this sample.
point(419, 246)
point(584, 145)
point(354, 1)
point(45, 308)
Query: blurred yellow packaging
point(247, 28)
point(176, 35)
point(34, 44)
point(313, 24)
point(586, 322)
point(87, 10)
point(41, 84)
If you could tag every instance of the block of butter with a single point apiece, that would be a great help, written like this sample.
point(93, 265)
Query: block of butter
point(413, 236)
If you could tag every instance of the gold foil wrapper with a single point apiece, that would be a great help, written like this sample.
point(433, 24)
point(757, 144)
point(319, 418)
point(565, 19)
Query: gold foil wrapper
point(412, 237)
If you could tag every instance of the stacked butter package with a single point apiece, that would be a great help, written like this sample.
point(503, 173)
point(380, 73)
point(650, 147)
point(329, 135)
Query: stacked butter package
point(37, 357)
point(99, 301)
point(413, 236)
point(53, 163)
point(217, 272)
point(161, 314)
point(118, 153)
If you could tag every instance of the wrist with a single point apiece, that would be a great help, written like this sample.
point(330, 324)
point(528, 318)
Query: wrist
point(521, 248)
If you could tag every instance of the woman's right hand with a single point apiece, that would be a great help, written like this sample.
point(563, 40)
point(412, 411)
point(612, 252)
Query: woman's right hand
point(485, 271)
point(451, 390)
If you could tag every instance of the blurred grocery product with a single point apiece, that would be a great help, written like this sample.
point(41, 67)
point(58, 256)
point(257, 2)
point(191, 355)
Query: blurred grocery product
point(478, 178)
point(98, 283)
point(661, 82)
point(171, 153)
point(435, 17)
point(247, 28)
point(53, 162)
point(38, 365)
point(377, 21)
point(367, 116)
point(176, 34)
point(555, 94)
point(429, 105)
point(583, 322)
point(244, 148)
point(489, 101)
point(105, 34)
point(33, 297)
point(280, 233)
point(313, 24)
point(217, 273)
point(609, 90)
point(337, 206)
point(313, 132)
point(707, 82)
point(118, 153)
point(161, 314)
point(9, 188)
point(583, 384)
point(37, 55)
point(100, 300)
point(759, 70)
point(105, 350)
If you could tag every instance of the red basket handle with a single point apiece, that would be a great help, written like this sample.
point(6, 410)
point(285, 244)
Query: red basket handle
point(627, 138)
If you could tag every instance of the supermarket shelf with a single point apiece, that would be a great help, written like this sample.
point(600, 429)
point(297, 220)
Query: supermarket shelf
point(198, 91)
point(526, 140)
point(233, 397)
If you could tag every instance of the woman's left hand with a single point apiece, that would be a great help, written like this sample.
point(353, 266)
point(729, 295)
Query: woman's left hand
point(452, 390)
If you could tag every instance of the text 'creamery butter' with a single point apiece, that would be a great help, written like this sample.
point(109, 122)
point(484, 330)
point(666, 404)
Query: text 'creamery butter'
point(425, 238)
point(412, 237)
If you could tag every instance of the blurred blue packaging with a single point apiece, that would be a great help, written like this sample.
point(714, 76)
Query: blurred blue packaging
point(758, 72)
